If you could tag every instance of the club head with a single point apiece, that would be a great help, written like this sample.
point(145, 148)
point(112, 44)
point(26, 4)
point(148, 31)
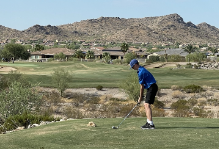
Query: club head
point(115, 127)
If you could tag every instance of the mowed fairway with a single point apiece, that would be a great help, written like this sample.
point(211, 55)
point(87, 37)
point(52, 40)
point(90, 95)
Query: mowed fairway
point(170, 133)
point(85, 74)
point(91, 74)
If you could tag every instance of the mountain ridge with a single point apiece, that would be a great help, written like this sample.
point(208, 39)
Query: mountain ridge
point(159, 29)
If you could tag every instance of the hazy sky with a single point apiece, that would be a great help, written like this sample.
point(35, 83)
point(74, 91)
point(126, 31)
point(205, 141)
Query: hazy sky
point(22, 14)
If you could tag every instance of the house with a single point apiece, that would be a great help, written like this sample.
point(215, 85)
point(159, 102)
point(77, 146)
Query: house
point(115, 52)
point(44, 55)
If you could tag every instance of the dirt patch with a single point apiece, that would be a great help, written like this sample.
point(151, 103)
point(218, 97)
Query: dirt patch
point(165, 64)
point(7, 69)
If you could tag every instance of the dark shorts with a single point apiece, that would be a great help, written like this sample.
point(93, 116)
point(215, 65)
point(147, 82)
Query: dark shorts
point(151, 93)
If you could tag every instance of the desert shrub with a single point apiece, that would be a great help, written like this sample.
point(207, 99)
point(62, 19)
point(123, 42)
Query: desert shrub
point(79, 98)
point(188, 65)
point(99, 87)
point(196, 66)
point(61, 78)
point(213, 102)
point(176, 87)
point(178, 65)
point(24, 119)
point(192, 102)
point(157, 112)
point(158, 104)
point(116, 99)
point(154, 58)
point(175, 58)
point(93, 100)
point(200, 112)
point(178, 94)
point(193, 89)
point(46, 111)
point(18, 99)
point(181, 109)
point(202, 103)
point(196, 56)
point(131, 86)
point(12, 76)
point(125, 109)
point(52, 98)
point(71, 112)
point(129, 56)
point(117, 61)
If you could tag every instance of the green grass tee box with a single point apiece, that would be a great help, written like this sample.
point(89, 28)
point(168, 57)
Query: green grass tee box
point(170, 133)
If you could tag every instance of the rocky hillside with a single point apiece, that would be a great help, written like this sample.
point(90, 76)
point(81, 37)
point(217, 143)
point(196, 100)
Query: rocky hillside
point(162, 29)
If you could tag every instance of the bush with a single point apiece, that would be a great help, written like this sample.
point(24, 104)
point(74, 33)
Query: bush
point(178, 94)
point(154, 58)
point(157, 112)
point(73, 113)
point(193, 89)
point(131, 86)
point(176, 87)
point(192, 102)
point(93, 100)
point(61, 77)
point(18, 99)
point(200, 112)
point(117, 61)
point(158, 104)
point(188, 65)
point(196, 66)
point(11, 77)
point(24, 119)
point(99, 87)
point(129, 56)
point(52, 98)
point(181, 109)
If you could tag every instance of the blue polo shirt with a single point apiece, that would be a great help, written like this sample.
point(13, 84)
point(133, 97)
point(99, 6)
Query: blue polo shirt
point(145, 77)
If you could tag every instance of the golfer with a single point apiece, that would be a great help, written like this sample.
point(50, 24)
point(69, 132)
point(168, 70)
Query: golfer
point(146, 81)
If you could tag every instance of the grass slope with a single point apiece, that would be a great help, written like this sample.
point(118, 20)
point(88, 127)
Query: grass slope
point(170, 133)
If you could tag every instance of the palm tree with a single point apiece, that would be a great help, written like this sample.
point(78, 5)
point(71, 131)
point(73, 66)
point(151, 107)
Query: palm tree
point(106, 57)
point(89, 54)
point(124, 47)
point(78, 54)
point(213, 50)
point(189, 48)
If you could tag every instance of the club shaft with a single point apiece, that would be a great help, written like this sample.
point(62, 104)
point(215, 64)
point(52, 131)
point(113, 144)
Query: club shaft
point(128, 114)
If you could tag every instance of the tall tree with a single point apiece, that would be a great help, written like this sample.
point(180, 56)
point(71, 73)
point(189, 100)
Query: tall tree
point(15, 51)
point(78, 54)
point(213, 50)
point(89, 54)
point(61, 78)
point(124, 47)
point(189, 48)
point(39, 47)
point(106, 57)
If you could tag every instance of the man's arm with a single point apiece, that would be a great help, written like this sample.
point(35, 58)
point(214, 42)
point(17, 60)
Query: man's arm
point(141, 92)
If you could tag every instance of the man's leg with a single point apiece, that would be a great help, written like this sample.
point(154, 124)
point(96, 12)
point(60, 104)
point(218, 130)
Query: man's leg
point(148, 111)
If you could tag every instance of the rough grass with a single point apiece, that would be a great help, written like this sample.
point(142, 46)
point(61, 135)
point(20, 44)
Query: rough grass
point(170, 133)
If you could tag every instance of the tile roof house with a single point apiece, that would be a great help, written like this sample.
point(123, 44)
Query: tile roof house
point(49, 53)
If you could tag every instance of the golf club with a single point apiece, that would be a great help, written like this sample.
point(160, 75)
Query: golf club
point(114, 127)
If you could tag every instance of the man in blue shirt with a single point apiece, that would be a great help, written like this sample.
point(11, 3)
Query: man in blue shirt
point(146, 81)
